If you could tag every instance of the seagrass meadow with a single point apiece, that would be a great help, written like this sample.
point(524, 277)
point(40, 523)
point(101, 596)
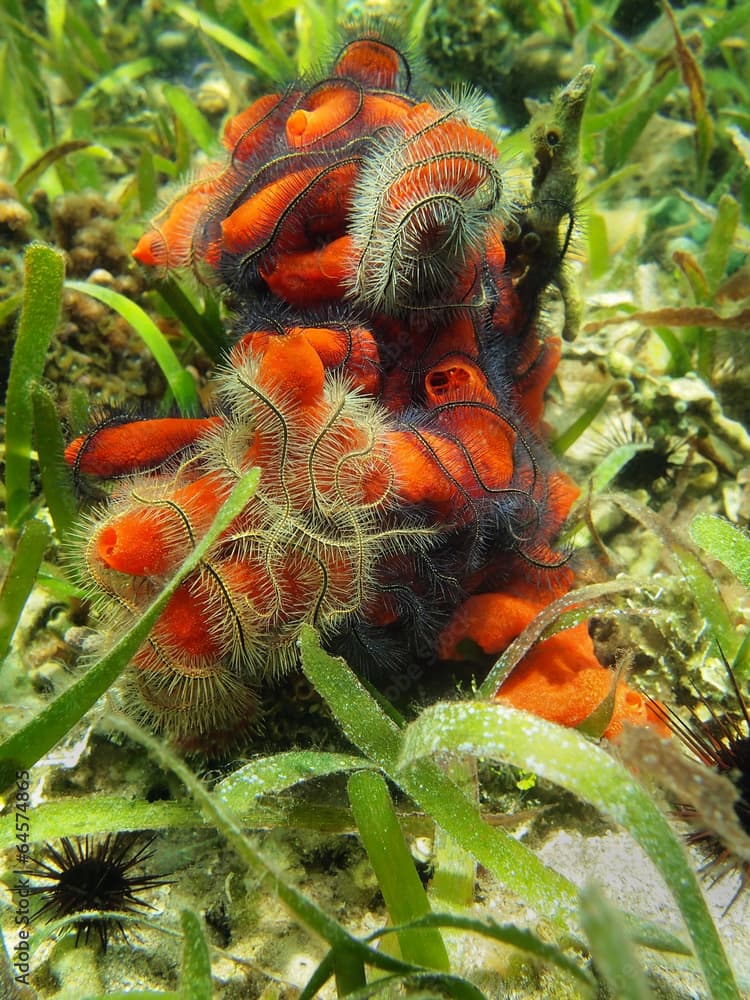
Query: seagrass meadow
point(374, 541)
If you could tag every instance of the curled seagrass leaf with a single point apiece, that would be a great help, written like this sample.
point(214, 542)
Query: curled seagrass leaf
point(543, 622)
point(677, 316)
point(692, 77)
point(741, 141)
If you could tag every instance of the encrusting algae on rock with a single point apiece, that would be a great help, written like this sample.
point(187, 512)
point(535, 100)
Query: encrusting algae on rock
point(387, 377)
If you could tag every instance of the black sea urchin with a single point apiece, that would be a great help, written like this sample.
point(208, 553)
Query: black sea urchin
point(87, 875)
point(722, 743)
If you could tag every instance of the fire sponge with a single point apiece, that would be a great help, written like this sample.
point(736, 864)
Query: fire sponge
point(387, 376)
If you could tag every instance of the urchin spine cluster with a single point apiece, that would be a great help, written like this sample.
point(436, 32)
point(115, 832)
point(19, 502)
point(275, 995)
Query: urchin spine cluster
point(721, 743)
point(85, 874)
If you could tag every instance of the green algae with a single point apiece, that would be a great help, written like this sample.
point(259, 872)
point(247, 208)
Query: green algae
point(39, 314)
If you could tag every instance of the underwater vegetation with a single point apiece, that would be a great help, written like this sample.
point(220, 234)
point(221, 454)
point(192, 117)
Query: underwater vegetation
point(358, 438)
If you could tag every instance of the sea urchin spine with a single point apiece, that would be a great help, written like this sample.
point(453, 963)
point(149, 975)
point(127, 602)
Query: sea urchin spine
point(88, 875)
